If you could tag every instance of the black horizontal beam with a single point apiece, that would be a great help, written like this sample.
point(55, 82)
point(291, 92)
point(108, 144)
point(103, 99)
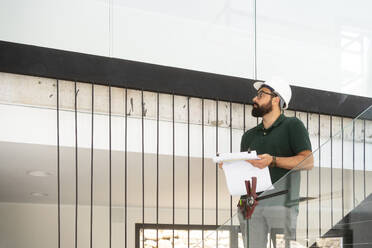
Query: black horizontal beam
point(58, 64)
point(180, 226)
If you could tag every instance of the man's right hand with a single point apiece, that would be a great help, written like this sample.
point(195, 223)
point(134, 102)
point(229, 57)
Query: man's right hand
point(220, 165)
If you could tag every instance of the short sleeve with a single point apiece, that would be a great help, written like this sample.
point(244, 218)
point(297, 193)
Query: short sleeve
point(299, 137)
point(242, 143)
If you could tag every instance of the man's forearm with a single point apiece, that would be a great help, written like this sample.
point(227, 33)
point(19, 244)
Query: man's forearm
point(304, 160)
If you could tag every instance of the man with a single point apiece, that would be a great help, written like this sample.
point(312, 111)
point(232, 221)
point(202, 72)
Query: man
point(282, 144)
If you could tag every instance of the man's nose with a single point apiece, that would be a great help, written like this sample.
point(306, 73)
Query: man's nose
point(254, 99)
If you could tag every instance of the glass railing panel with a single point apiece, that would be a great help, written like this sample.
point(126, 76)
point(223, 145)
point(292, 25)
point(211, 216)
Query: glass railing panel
point(325, 201)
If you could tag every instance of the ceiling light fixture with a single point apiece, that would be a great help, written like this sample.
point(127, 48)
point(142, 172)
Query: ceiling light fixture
point(38, 194)
point(39, 173)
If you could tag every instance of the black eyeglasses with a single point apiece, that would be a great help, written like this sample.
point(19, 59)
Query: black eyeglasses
point(260, 93)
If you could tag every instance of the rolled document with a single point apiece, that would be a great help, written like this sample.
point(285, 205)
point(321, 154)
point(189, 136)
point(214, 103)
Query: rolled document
point(237, 172)
point(228, 157)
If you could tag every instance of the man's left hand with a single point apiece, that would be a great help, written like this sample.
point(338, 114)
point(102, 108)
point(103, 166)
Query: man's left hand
point(264, 161)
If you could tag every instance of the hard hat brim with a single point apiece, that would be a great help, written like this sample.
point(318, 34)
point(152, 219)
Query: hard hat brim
point(257, 85)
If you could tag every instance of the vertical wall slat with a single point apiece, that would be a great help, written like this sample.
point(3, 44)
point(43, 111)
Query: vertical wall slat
point(216, 171)
point(307, 191)
point(320, 179)
point(58, 173)
point(203, 171)
point(364, 157)
point(173, 170)
point(143, 167)
point(76, 168)
point(157, 169)
point(331, 137)
point(110, 172)
point(231, 140)
point(188, 170)
point(126, 171)
point(91, 171)
point(353, 163)
point(342, 166)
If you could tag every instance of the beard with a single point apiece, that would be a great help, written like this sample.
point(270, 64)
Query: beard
point(260, 111)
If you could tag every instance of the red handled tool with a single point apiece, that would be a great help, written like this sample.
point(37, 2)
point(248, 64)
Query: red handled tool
point(248, 204)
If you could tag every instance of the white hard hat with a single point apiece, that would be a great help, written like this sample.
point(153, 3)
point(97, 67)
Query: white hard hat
point(280, 87)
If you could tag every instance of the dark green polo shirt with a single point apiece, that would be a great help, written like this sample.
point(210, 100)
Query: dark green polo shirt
point(285, 138)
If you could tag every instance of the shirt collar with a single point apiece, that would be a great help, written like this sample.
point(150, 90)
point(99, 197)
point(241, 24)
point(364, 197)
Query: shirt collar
point(275, 124)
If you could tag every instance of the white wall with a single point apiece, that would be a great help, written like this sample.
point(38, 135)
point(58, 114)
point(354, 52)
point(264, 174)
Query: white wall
point(35, 225)
point(322, 45)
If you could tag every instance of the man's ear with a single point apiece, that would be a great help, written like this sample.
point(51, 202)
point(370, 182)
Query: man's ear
point(276, 101)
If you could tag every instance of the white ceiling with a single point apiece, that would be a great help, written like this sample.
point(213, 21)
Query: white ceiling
point(19, 158)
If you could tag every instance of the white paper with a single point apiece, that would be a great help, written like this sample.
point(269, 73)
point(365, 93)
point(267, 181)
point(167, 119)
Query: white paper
point(225, 157)
point(237, 172)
